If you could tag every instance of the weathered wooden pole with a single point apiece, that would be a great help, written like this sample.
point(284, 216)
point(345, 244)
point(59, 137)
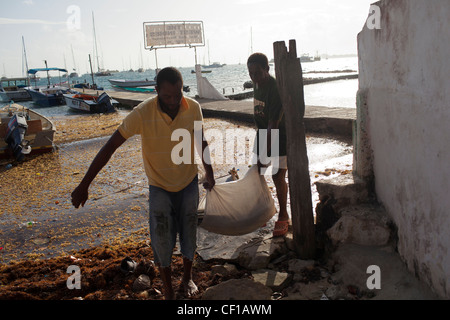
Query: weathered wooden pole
point(290, 86)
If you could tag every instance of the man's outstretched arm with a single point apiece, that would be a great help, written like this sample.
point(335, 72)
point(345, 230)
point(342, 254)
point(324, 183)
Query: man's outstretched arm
point(81, 194)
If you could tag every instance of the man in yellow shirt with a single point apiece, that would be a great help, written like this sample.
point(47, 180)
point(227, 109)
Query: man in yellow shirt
point(174, 193)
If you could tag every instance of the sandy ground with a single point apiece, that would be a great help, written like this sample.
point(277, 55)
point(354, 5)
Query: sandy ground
point(41, 235)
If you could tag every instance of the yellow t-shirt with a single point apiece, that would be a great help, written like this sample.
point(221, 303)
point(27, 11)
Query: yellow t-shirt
point(156, 128)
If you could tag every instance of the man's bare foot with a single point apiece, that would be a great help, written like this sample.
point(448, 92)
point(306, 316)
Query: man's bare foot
point(190, 288)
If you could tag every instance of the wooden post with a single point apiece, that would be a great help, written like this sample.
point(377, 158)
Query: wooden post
point(290, 86)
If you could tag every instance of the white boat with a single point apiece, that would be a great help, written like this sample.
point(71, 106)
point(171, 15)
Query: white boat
point(306, 58)
point(24, 131)
point(214, 65)
point(3, 96)
point(132, 83)
point(91, 103)
point(13, 89)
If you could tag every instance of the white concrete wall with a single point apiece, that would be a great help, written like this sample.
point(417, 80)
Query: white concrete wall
point(405, 83)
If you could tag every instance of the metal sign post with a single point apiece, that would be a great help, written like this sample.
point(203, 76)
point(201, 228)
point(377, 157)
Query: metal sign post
point(180, 34)
point(173, 34)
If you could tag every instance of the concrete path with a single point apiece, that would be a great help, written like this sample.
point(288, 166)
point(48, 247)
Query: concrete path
point(336, 121)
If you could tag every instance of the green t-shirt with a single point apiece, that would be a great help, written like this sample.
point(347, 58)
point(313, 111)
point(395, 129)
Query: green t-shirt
point(267, 106)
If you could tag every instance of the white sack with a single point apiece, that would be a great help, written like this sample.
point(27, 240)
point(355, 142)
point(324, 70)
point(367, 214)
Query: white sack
point(239, 207)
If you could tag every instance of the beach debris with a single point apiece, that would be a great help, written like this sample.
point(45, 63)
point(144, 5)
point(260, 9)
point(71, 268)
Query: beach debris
point(128, 265)
point(233, 175)
point(248, 84)
point(74, 259)
point(142, 283)
point(40, 241)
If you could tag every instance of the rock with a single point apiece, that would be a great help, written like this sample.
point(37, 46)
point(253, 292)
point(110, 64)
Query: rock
point(226, 270)
point(289, 240)
point(277, 281)
point(143, 295)
point(297, 265)
point(310, 291)
point(238, 289)
point(258, 254)
point(142, 283)
point(364, 225)
point(146, 267)
point(352, 261)
point(335, 292)
point(346, 189)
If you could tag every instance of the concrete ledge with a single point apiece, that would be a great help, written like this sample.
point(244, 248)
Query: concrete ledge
point(318, 119)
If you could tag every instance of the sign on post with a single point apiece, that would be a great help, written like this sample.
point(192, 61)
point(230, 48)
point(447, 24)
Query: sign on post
point(173, 34)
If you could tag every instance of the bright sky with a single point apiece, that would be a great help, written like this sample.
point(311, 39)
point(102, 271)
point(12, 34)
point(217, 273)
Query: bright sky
point(50, 30)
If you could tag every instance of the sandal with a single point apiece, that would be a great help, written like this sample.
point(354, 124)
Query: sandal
point(281, 228)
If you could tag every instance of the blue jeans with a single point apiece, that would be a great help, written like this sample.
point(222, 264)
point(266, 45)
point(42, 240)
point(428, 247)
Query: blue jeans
point(172, 213)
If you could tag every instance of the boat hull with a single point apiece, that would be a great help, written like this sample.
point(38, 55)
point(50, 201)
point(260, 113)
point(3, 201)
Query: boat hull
point(136, 89)
point(132, 84)
point(47, 100)
point(4, 97)
point(40, 132)
point(91, 104)
point(16, 96)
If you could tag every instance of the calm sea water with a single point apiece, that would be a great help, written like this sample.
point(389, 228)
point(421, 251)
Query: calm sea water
point(231, 78)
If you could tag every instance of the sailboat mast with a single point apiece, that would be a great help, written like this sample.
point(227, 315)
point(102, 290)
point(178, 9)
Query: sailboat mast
point(25, 56)
point(251, 39)
point(73, 57)
point(92, 73)
point(95, 43)
point(48, 76)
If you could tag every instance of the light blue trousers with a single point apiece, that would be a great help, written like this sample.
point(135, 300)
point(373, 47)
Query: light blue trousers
point(173, 213)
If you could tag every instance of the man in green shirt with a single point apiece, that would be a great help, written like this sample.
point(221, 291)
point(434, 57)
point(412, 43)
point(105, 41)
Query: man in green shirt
point(269, 115)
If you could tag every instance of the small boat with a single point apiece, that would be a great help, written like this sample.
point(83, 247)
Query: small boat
point(103, 74)
point(306, 58)
point(203, 71)
point(24, 131)
point(13, 89)
point(132, 83)
point(214, 65)
point(91, 103)
point(86, 85)
point(50, 95)
point(135, 89)
point(144, 89)
point(3, 96)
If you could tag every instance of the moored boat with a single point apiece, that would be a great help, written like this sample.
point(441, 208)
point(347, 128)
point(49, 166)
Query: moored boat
point(135, 89)
point(50, 95)
point(13, 89)
point(306, 58)
point(24, 131)
point(132, 83)
point(203, 71)
point(91, 103)
point(214, 65)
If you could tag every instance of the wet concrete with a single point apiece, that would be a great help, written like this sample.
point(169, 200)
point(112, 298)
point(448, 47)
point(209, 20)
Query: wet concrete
point(38, 220)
